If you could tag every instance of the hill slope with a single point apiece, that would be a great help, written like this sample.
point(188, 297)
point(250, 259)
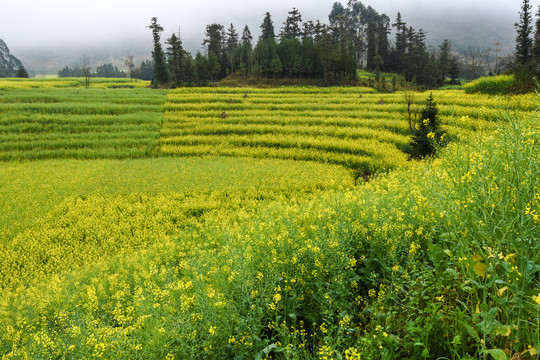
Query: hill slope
point(9, 64)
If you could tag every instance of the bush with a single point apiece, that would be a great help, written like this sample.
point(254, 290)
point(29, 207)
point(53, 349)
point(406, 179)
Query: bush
point(493, 85)
point(427, 137)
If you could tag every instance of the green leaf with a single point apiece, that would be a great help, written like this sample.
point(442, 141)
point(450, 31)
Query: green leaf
point(470, 330)
point(497, 354)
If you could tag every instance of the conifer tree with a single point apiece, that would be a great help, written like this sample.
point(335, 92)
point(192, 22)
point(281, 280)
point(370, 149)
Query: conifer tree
point(266, 49)
point(428, 134)
point(246, 56)
point(523, 39)
point(146, 70)
point(267, 28)
point(161, 75)
point(536, 42)
point(214, 38)
point(175, 57)
point(231, 47)
point(445, 55)
point(401, 36)
point(292, 25)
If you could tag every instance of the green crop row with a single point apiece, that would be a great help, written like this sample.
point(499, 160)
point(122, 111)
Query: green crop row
point(49, 123)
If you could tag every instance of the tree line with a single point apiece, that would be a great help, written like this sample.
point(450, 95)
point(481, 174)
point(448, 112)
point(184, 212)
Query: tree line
point(106, 70)
point(527, 53)
point(355, 37)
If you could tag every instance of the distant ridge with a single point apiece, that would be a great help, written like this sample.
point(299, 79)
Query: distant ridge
point(9, 64)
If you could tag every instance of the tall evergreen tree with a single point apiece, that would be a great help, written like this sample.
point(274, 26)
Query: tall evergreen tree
point(201, 68)
point(175, 57)
point(383, 30)
point(146, 70)
point(536, 42)
point(214, 38)
point(161, 75)
point(247, 38)
point(292, 25)
point(231, 48)
point(445, 56)
point(266, 50)
point(400, 49)
point(523, 40)
point(267, 28)
point(246, 54)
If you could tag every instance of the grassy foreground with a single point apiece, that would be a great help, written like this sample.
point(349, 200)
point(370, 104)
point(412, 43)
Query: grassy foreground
point(439, 260)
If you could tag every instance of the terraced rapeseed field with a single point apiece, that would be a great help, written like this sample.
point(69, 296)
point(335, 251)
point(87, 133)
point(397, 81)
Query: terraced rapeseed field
point(230, 223)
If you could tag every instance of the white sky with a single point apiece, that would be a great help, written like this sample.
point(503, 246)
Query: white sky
point(35, 24)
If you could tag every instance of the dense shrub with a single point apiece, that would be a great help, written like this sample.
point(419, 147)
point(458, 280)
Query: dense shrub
point(493, 85)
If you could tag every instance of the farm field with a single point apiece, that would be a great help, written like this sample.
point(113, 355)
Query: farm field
point(142, 224)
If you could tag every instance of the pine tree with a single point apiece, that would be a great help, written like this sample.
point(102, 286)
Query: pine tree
point(246, 56)
point(247, 38)
point(292, 25)
point(161, 75)
point(214, 38)
point(401, 36)
point(201, 68)
point(536, 43)
point(231, 47)
point(146, 70)
point(428, 134)
point(175, 57)
point(267, 28)
point(523, 39)
point(445, 54)
point(266, 47)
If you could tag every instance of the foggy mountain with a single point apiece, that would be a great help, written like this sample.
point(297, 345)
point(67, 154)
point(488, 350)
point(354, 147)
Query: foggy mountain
point(478, 26)
point(9, 64)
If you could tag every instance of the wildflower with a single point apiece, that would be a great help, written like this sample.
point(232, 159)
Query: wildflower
point(352, 354)
point(414, 248)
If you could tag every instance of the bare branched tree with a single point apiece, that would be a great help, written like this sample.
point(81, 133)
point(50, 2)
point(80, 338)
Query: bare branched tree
point(475, 55)
point(85, 62)
point(409, 99)
point(130, 64)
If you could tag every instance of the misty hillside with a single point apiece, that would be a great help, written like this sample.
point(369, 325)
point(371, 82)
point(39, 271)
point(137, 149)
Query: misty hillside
point(9, 64)
point(466, 30)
